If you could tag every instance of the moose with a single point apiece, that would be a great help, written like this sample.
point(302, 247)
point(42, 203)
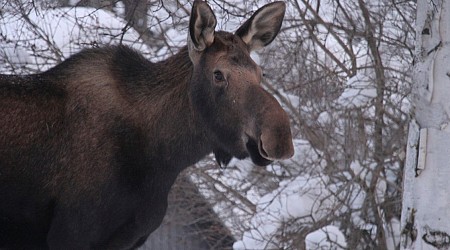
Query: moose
point(90, 148)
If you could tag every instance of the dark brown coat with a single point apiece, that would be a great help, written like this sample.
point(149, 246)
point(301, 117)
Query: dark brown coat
point(90, 148)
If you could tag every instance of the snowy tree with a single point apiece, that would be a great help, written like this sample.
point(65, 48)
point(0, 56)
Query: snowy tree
point(425, 213)
point(342, 70)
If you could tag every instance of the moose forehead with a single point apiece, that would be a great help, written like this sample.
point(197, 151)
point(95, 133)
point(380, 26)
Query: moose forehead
point(232, 48)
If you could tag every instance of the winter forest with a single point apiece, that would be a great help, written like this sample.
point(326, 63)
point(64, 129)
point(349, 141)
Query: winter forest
point(343, 70)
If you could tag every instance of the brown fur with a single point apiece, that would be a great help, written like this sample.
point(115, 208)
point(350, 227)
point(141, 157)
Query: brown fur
point(90, 149)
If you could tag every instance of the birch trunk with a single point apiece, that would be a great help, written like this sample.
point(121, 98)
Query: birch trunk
point(425, 218)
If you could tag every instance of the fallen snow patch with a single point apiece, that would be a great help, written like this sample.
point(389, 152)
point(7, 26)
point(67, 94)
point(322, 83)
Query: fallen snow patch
point(328, 237)
point(300, 201)
point(359, 91)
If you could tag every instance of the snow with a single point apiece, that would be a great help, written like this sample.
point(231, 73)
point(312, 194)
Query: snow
point(300, 201)
point(119, 8)
point(359, 91)
point(14, 55)
point(52, 35)
point(393, 232)
point(328, 237)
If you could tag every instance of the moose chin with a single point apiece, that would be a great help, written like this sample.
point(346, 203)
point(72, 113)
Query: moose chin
point(90, 148)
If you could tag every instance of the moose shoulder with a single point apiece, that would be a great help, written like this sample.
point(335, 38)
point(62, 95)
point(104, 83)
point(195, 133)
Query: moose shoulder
point(90, 148)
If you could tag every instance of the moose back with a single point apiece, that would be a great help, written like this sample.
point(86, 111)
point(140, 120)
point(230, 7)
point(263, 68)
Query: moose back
point(90, 148)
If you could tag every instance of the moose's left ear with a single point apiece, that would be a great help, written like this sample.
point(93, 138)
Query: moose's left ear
point(201, 26)
point(263, 26)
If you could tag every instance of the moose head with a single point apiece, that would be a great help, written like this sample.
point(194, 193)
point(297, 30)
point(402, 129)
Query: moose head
point(242, 118)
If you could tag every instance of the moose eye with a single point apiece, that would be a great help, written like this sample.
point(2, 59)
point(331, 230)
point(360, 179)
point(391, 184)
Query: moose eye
point(218, 76)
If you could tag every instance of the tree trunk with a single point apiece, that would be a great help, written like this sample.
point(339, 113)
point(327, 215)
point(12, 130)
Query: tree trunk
point(426, 191)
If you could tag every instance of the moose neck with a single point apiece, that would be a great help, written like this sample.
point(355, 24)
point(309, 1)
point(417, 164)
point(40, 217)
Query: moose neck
point(179, 135)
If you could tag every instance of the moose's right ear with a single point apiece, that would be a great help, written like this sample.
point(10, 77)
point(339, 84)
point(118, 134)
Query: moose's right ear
point(263, 26)
point(201, 26)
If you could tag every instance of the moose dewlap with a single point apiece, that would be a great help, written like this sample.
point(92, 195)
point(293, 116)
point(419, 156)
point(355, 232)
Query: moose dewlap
point(90, 148)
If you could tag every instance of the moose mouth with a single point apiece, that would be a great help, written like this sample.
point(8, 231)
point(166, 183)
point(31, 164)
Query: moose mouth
point(257, 153)
point(254, 150)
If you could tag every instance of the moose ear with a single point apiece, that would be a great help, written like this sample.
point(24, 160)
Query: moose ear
point(263, 26)
point(201, 26)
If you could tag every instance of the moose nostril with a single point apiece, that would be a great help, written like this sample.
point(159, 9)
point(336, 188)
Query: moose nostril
point(261, 150)
point(274, 146)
